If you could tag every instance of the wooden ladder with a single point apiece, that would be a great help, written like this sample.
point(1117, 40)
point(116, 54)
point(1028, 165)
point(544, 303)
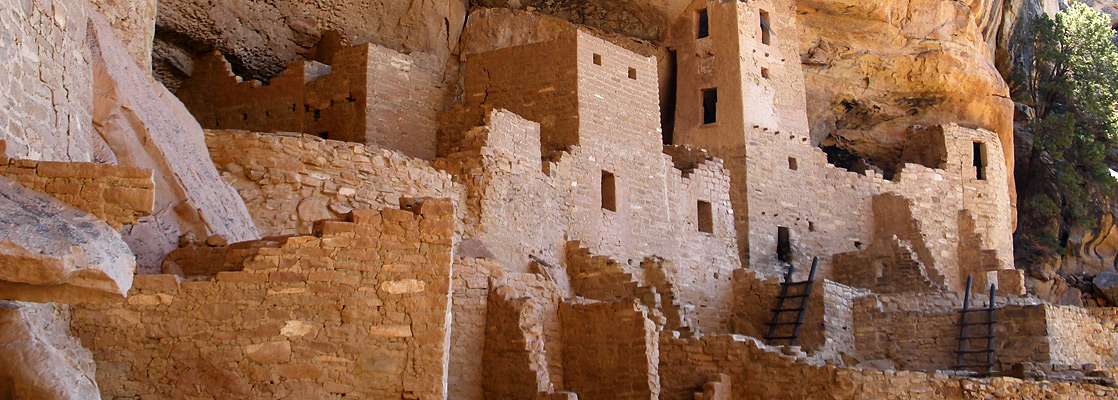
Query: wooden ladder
point(778, 312)
point(986, 366)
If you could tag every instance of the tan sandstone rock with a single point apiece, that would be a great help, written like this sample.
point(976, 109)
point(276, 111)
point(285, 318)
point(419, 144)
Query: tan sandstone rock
point(134, 24)
point(875, 68)
point(146, 126)
point(54, 252)
point(260, 36)
point(38, 357)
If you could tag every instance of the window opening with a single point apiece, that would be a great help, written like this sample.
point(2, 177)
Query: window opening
point(609, 191)
point(766, 31)
point(706, 217)
point(784, 244)
point(980, 160)
point(710, 106)
point(704, 24)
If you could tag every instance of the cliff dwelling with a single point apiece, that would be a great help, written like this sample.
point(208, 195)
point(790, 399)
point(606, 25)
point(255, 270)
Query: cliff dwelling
point(520, 207)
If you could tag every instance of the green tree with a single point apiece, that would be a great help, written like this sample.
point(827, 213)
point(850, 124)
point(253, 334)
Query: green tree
point(1071, 84)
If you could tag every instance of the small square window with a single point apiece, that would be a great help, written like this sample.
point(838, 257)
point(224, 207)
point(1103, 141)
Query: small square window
point(810, 226)
point(792, 164)
point(632, 73)
point(597, 59)
point(765, 73)
point(706, 217)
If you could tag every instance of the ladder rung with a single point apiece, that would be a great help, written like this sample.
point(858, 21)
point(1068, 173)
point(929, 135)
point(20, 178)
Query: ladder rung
point(796, 283)
point(974, 351)
point(783, 323)
point(786, 310)
point(791, 296)
point(973, 310)
point(971, 323)
point(779, 337)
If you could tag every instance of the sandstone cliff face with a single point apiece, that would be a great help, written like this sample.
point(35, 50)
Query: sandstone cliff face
point(38, 357)
point(875, 68)
point(260, 36)
point(144, 125)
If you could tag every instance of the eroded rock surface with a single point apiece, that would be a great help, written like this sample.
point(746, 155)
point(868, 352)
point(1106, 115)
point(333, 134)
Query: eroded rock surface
point(874, 69)
point(51, 251)
point(260, 36)
point(146, 126)
point(38, 357)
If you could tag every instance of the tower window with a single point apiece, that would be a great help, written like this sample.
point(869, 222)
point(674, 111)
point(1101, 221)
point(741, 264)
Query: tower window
point(792, 164)
point(609, 191)
point(784, 244)
point(597, 59)
point(765, 73)
point(766, 31)
point(710, 106)
point(706, 217)
point(632, 73)
point(704, 24)
point(980, 160)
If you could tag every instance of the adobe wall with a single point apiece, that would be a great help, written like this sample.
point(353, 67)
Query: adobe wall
point(512, 194)
point(782, 180)
point(358, 309)
point(474, 280)
point(288, 181)
point(763, 373)
point(918, 332)
point(367, 94)
point(610, 351)
point(46, 103)
point(117, 195)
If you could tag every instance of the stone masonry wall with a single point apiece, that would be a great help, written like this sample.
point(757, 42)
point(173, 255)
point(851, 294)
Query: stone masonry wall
point(762, 373)
point(47, 85)
point(610, 351)
point(358, 309)
point(655, 207)
point(474, 280)
point(918, 332)
point(367, 94)
point(117, 195)
point(288, 181)
point(783, 181)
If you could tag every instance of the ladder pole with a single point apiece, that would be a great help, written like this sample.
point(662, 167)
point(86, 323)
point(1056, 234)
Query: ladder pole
point(803, 301)
point(963, 325)
point(990, 331)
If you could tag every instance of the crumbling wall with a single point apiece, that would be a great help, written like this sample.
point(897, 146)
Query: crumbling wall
point(47, 100)
point(360, 308)
point(513, 363)
point(758, 372)
point(920, 331)
point(610, 350)
point(289, 181)
point(116, 195)
point(365, 94)
point(474, 278)
point(618, 193)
